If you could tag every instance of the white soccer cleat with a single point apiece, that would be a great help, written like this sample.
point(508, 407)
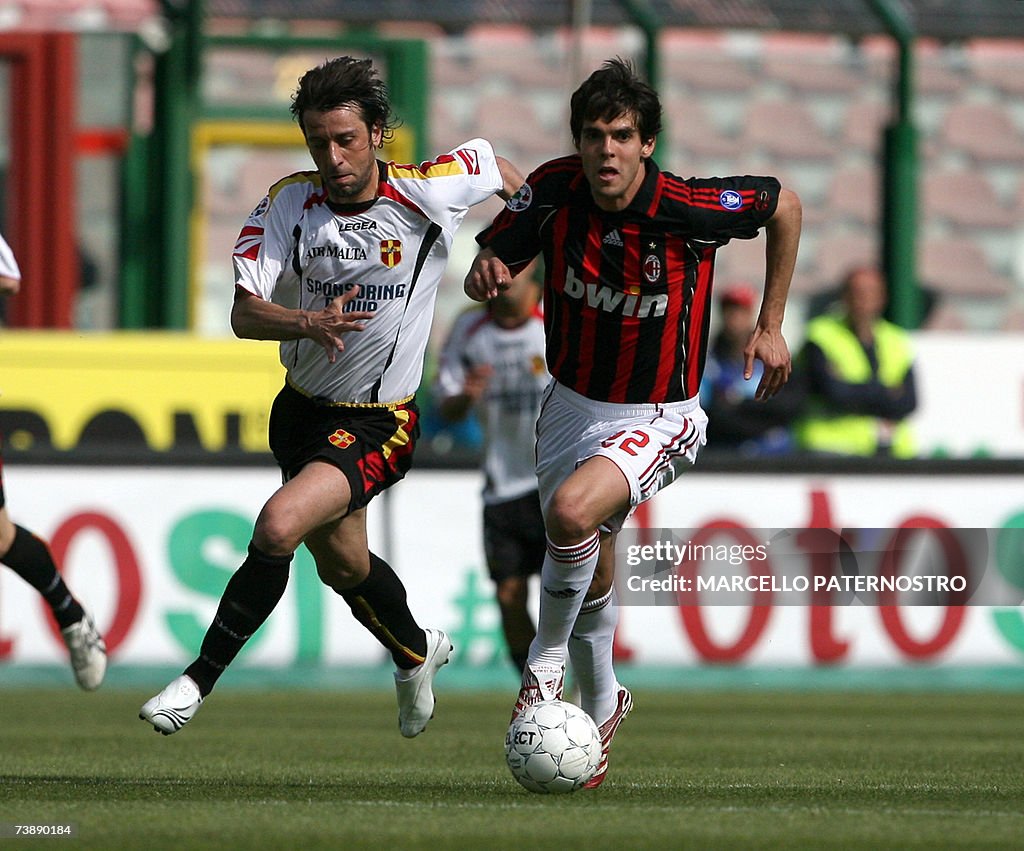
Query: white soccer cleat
point(540, 682)
point(88, 653)
point(623, 703)
point(174, 707)
point(414, 687)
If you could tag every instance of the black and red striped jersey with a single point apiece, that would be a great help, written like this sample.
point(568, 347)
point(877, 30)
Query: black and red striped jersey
point(627, 294)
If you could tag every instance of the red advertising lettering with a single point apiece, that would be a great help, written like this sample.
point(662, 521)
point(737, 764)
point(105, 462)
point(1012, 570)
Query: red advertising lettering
point(817, 539)
point(690, 611)
point(126, 566)
point(891, 567)
point(6, 648)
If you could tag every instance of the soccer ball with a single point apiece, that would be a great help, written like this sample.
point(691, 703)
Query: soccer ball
point(553, 747)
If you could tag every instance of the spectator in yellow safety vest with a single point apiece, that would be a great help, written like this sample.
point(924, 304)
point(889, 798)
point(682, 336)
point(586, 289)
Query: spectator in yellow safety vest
point(860, 378)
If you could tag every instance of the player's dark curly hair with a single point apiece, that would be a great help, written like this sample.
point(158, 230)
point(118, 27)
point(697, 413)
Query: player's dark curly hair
point(342, 81)
point(612, 90)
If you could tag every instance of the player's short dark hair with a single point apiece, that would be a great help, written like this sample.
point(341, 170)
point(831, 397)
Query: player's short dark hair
point(343, 81)
point(612, 90)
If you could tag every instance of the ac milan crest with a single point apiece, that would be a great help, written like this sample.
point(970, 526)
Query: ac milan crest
point(652, 268)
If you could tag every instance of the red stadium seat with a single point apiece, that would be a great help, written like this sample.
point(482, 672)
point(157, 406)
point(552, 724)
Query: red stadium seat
point(809, 63)
point(933, 75)
point(864, 123)
point(447, 129)
point(514, 127)
point(44, 15)
point(998, 63)
point(984, 131)
point(964, 198)
point(512, 55)
point(598, 44)
point(958, 266)
point(704, 62)
point(837, 251)
point(855, 193)
point(451, 70)
point(692, 129)
point(785, 129)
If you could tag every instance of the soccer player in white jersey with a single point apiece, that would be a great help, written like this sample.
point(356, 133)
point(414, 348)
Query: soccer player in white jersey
point(341, 265)
point(493, 363)
point(30, 557)
point(10, 276)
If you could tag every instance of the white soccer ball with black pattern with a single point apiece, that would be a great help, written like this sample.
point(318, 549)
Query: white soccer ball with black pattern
point(553, 747)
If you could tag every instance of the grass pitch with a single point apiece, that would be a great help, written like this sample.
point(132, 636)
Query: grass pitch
point(309, 770)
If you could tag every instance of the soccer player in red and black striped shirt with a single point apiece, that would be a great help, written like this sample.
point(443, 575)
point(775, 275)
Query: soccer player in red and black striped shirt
point(629, 254)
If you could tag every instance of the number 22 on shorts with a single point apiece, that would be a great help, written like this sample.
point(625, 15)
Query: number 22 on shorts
point(633, 440)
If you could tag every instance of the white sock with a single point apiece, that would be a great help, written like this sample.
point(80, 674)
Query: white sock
point(564, 580)
point(590, 649)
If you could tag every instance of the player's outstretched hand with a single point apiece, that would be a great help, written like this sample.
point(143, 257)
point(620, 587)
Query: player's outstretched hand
point(768, 346)
point(487, 277)
point(329, 325)
point(477, 379)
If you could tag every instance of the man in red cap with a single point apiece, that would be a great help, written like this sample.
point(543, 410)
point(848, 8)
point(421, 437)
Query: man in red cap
point(736, 422)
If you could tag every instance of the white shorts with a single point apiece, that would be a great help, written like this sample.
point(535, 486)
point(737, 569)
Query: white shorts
point(646, 442)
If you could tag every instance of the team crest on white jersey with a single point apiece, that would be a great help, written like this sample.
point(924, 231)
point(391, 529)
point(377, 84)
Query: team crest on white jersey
point(261, 208)
point(390, 252)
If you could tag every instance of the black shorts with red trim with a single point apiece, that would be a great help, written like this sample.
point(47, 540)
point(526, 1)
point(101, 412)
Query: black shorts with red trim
point(371, 444)
point(514, 539)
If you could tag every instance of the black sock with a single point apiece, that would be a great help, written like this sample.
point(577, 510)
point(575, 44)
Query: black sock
point(31, 559)
point(518, 661)
point(379, 604)
point(249, 598)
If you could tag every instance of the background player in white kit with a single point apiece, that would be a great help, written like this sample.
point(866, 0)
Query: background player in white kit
point(30, 557)
point(342, 266)
point(10, 276)
point(493, 362)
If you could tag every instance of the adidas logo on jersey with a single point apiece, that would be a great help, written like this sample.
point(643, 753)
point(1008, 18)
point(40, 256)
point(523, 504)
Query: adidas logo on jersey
point(612, 238)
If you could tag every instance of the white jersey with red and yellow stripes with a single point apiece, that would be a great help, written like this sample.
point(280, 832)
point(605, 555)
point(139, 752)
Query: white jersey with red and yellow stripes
point(301, 251)
point(8, 265)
